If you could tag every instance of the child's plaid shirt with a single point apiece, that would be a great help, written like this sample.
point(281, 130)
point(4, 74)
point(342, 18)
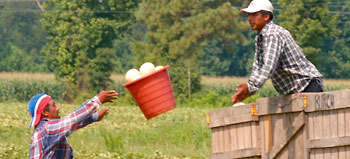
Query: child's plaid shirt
point(49, 138)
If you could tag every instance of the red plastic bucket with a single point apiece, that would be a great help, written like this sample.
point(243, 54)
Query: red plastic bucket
point(153, 93)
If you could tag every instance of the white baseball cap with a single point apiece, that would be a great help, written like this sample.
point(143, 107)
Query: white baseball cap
point(258, 5)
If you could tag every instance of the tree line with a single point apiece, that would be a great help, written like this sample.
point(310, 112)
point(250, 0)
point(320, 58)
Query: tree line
point(83, 42)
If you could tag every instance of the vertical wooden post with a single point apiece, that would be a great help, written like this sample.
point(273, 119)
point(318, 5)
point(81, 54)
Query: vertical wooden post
point(268, 133)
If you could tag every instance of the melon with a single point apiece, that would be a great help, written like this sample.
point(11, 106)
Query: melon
point(158, 68)
point(146, 68)
point(132, 74)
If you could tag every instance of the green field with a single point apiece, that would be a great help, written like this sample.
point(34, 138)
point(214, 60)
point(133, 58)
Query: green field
point(124, 133)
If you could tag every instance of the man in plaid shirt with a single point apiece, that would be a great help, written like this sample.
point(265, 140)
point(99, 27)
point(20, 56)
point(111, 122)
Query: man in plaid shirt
point(50, 134)
point(278, 56)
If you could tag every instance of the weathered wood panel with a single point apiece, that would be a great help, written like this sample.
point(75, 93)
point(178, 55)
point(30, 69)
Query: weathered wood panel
point(304, 125)
point(235, 132)
point(327, 100)
point(231, 115)
point(330, 135)
point(286, 134)
point(242, 153)
point(280, 104)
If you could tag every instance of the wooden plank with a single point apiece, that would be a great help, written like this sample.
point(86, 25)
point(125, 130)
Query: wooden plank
point(262, 132)
point(334, 125)
point(318, 125)
point(334, 153)
point(289, 132)
point(240, 135)
point(231, 115)
point(341, 151)
point(347, 122)
point(234, 140)
point(256, 141)
point(296, 148)
point(221, 139)
point(326, 124)
point(227, 138)
point(326, 132)
point(306, 136)
point(341, 123)
point(318, 153)
point(347, 151)
point(330, 142)
point(311, 117)
point(279, 121)
point(247, 135)
point(326, 153)
point(280, 104)
point(215, 139)
point(334, 130)
point(312, 154)
point(268, 133)
point(243, 153)
point(327, 100)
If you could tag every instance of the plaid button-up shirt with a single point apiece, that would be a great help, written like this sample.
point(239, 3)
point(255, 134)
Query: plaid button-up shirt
point(278, 56)
point(49, 138)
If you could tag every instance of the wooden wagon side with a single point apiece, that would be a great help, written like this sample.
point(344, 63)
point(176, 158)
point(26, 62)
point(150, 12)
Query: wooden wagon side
point(328, 123)
point(282, 124)
point(303, 125)
point(235, 132)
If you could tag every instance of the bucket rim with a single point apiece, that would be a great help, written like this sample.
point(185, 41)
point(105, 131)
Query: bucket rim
point(132, 82)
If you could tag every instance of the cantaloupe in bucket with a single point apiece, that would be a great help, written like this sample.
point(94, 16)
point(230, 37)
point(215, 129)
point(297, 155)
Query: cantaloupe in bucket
point(153, 93)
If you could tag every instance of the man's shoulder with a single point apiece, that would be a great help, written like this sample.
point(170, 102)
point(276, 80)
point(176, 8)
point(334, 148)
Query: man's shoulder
point(274, 29)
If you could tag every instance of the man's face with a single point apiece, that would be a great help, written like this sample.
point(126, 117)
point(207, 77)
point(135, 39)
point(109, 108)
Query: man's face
point(257, 21)
point(54, 110)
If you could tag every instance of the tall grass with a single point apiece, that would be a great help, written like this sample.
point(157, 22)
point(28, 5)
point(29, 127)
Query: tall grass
point(216, 91)
point(23, 90)
point(123, 133)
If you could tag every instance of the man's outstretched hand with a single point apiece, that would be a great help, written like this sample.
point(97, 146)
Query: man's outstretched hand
point(242, 93)
point(102, 113)
point(107, 96)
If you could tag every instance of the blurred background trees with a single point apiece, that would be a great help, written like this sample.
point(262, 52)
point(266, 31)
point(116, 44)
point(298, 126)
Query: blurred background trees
point(178, 30)
point(83, 42)
point(81, 35)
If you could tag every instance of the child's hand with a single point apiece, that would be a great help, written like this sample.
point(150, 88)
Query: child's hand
point(102, 113)
point(107, 96)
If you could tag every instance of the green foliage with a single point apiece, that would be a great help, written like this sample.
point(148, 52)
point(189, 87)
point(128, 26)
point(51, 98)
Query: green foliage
point(203, 37)
point(309, 24)
point(113, 142)
point(209, 99)
point(123, 47)
point(220, 58)
point(81, 33)
point(218, 96)
point(101, 68)
point(23, 90)
point(126, 57)
point(176, 32)
point(16, 59)
point(82, 97)
point(21, 39)
point(336, 58)
point(22, 29)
